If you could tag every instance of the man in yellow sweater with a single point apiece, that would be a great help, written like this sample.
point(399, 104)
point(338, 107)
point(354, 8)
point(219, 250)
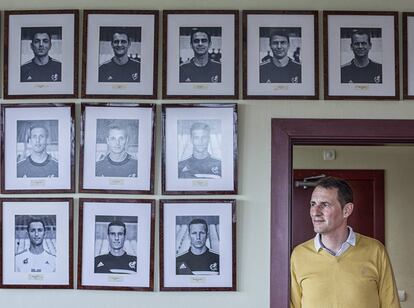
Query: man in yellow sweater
point(339, 268)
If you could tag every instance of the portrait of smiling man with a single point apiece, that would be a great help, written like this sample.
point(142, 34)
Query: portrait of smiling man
point(42, 67)
point(280, 68)
point(361, 69)
point(121, 67)
point(201, 67)
point(339, 267)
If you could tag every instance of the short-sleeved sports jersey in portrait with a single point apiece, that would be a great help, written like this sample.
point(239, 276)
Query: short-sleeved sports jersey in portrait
point(207, 263)
point(125, 264)
point(372, 73)
point(49, 72)
point(290, 73)
point(112, 72)
point(27, 168)
point(126, 168)
point(199, 168)
point(27, 262)
point(190, 72)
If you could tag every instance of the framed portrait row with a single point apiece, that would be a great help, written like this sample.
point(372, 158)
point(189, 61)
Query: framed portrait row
point(117, 148)
point(201, 54)
point(116, 244)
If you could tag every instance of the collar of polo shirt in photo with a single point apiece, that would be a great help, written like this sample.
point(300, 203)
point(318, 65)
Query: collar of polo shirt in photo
point(350, 241)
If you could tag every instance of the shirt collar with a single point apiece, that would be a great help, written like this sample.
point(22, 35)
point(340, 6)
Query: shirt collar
point(351, 239)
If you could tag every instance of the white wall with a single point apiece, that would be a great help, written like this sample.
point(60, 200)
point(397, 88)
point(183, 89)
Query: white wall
point(253, 231)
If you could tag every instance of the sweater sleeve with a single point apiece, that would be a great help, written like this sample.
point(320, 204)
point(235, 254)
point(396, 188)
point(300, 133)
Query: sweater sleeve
point(387, 287)
point(295, 289)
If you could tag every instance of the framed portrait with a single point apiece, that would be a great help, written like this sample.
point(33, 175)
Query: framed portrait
point(281, 54)
point(117, 148)
point(116, 244)
point(37, 243)
point(41, 54)
point(38, 148)
point(408, 50)
point(200, 54)
point(199, 153)
point(361, 55)
point(121, 54)
point(198, 245)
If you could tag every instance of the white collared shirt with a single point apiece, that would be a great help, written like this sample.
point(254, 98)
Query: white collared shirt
point(350, 241)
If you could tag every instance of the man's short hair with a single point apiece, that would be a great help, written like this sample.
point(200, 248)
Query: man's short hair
point(117, 223)
point(361, 32)
point(35, 219)
point(279, 32)
point(39, 32)
point(201, 30)
point(345, 194)
point(117, 127)
point(199, 125)
point(121, 31)
point(198, 221)
point(32, 127)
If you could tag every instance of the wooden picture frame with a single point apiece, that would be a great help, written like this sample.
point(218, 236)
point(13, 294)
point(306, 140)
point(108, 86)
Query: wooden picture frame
point(206, 260)
point(211, 69)
point(357, 66)
point(116, 226)
point(120, 57)
point(38, 148)
point(199, 153)
point(33, 226)
point(118, 146)
point(288, 68)
point(41, 57)
point(408, 60)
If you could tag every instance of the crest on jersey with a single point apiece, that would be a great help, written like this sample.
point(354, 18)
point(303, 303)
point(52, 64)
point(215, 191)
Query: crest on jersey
point(134, 76)
point(377, 79)
point(215, 78)
point(133, 265)
point(214, 267)
point(54, 77)
point(294, 79)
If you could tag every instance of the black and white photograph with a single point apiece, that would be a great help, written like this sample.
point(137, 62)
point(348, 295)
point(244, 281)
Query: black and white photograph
point(408, 59)
point(362, 52)
point(200, 54)
point(198, 245)
point(41, 59)
point(121, 257)
point(281, 54)
point(197, 239)
point(37, 242)
point(120, 57)
point(199, 149)
point(38, 149)
point(117, 148)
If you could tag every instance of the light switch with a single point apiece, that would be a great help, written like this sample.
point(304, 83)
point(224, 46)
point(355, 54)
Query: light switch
point(401, 295)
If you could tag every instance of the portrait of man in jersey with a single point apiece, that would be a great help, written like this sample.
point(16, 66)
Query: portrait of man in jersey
point(197, 245)
point(37, 148)
point(361, 55)
point(35, 244)
point(119, 54)
point(200, 54)
point(41, 54)
point(199, 149)
point(117, 147)
point(280, 58)
point(116, 244)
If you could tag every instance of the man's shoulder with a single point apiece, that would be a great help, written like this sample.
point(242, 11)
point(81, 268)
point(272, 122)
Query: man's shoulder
point(347, 65)
point(305, 246)
point(54, 62)
point(215, 63)
point(22, 253)
point(294, 63)
point(266, 63)
point(49, 254)
point(28, 64)
point(363, 240)
point(183, 254)
point(375, 64)
point(134, 61)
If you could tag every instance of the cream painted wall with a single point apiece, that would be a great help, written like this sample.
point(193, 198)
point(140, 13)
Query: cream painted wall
point(398, 163)
point(253, 230)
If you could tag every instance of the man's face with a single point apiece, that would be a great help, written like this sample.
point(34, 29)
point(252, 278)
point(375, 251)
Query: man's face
point(198, 235)
point(200, 43)
point(200, 139)
point(116, 237)
point(38, 139)
point(326, 212)
point(279, 45)
point(117, 140)
point(360, 45)
point(120, 44)
point(36, 233)
point(41, 44)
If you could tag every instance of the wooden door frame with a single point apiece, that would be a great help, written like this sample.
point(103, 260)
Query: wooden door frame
point(289, 132)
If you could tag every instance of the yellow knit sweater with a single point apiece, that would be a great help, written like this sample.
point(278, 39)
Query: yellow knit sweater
point(362, 277)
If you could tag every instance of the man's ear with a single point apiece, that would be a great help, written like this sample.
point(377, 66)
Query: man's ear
point(347, 210)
